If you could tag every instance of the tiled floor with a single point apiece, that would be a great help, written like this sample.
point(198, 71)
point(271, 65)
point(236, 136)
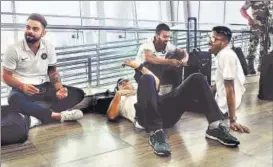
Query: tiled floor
point(95, 142)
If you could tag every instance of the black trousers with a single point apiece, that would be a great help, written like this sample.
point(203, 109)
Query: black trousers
point(167, 74)
point(27, 105)
point(155, 112)
point(14, 128)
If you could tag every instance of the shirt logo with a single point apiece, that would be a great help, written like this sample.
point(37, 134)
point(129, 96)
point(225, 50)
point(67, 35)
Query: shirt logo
point(44, 56)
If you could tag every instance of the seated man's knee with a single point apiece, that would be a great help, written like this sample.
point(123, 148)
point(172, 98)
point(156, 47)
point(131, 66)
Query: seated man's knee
point(14, 97)
point(197, 76)
point(77, 93)
point(147, 78)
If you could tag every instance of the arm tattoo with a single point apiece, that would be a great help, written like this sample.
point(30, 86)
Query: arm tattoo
point(53, 74)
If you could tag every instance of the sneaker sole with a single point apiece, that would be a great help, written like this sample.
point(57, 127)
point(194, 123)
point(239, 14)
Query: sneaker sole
point(226, 144)
point(160, 153)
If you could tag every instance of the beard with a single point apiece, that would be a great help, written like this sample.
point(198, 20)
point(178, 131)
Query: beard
point(30, 39)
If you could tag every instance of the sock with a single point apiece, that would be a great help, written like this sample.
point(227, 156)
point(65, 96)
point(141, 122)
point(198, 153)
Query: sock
point(34, 122)
point(214, 124)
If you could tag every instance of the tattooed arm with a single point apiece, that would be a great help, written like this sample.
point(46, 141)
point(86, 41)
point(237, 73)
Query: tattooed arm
point(54, 77)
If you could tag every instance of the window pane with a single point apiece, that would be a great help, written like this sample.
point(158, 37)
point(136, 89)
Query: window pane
point(53, 20)
point(112, 9)
point(89, 9)
point(7, 38)
point(194, 9)
point(181, 17)
point(6, 6)
point(70, 8)
point(6, 19)
point(233, 14)
point(164, 12)
point(207, 15)
point(147, 10)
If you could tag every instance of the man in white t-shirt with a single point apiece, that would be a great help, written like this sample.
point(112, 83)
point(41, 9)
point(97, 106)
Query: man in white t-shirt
point(163, 58)
point(29, 67)
point(153, 112)
point(229, 77)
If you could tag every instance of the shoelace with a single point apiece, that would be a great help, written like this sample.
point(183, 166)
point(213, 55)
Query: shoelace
point(225, 130)
point(160, 136)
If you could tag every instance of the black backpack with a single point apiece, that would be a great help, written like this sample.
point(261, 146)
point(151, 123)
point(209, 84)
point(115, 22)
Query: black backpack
point(241, 58)
point(14, 128)
point(266, 78)
point(240, 54)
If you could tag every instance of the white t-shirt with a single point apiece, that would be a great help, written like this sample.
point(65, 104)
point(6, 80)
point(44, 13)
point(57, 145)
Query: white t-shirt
point(27, 67)
point(149, 45)
point(228, 68)
point(127, 108)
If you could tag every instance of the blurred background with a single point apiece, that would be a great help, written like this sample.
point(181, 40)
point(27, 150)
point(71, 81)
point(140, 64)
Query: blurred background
point(92, 38)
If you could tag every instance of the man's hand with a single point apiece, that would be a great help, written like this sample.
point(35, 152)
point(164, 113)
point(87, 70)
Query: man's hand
point(239, 128)
point(176, 63)
point(62, 93)
point(126, 92)
point(131, 63)
point(251, 22)
point(184, 62)
point(29, 89)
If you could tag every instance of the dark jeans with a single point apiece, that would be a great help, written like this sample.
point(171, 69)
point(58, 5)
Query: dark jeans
point(27, 105)
point(155, 112)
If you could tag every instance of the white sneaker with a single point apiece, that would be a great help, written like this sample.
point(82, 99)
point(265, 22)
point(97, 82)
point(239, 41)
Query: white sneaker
point(71, 115)
point(138, 126)
point(34, 122)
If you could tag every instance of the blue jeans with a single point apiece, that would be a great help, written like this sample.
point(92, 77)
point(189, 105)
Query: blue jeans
point(26, 105)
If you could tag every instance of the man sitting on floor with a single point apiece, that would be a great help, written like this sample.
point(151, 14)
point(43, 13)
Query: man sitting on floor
point(229, 76)
point(26, 68)
point(147, 109)
point(164, 59)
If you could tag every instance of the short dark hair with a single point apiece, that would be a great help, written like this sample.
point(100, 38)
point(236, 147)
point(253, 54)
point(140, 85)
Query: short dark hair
point(162, 27)
point(225, 31)
point(120, 79)
point(38, 17)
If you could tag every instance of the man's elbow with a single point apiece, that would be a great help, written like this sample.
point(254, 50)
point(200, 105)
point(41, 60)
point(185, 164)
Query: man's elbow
point(111, 117)
point(243, 11)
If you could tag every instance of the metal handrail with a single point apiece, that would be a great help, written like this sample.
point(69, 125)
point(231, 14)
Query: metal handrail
point(109, 28)
point(92, 63)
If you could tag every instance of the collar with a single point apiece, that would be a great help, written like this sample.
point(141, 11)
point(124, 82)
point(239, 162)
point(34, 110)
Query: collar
point(26, 47)
point(225, 48)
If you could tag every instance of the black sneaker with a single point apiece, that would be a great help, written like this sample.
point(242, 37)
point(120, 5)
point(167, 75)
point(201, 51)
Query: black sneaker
point(222, 135)
point(159, 143)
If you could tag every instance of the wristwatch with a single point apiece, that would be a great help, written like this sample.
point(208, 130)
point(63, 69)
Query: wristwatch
point(233, 119)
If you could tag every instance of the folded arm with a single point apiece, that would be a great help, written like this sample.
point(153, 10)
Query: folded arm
point(114, 107)
point(54, 77)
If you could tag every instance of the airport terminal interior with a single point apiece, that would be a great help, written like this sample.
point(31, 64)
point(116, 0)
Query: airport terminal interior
point(92, 40)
